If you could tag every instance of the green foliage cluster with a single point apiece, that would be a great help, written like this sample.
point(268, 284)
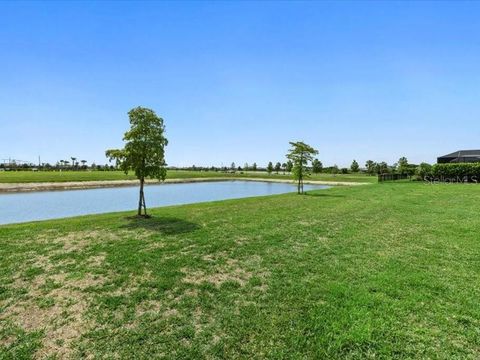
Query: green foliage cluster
point(289, 166)
point(423, 170)
point(278, 166)
point(144, 151)
point(381, 167)
point(300, 154)
point(144, 146)
point(403, 166)
point(317, 166)
point(370, 167)
point(355, 167)
point(458, 170)
point(270, 167)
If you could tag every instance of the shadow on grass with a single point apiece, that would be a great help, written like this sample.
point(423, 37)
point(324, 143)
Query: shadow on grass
point(162, 225)
point(318, 194)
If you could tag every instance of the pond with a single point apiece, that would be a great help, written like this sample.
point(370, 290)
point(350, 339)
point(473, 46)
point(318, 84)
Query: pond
point(22, 207)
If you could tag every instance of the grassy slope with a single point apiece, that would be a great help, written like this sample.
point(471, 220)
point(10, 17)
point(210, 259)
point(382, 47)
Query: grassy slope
point(50, 176)
point(390, 270)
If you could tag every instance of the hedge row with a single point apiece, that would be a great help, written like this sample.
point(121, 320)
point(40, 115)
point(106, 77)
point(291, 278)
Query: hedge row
point(469, 171)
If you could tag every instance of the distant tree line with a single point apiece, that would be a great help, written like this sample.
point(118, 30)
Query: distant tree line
point(402, 167)
point(316, 167)
point(60, 165)
point(233, 168)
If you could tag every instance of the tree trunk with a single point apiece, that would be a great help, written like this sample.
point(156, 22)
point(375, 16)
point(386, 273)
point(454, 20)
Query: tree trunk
point(300, 185)
point(300, 175)
point(141, 200)
point(144, 206)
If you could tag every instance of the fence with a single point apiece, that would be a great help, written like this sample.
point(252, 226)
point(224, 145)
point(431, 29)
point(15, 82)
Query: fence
point(392, 177)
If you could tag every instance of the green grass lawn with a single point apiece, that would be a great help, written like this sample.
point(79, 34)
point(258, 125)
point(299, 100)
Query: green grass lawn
point(381, 271)
point(56, 176)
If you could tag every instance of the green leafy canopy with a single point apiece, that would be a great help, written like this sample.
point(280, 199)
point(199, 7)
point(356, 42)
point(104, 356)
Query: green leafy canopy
point(300, 154)
point(144, 151)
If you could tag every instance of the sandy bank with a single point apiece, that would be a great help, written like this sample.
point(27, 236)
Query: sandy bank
point(77, 185)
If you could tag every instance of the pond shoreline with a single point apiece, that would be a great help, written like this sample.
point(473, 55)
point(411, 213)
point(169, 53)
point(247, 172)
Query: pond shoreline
point(44, 205)
point(81, 185)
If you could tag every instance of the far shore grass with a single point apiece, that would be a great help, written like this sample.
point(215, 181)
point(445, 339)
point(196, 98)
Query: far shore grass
point(74, 176)
point(384, 271)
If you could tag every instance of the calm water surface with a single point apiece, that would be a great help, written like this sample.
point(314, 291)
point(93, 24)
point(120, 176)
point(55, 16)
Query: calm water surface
point(22, 207)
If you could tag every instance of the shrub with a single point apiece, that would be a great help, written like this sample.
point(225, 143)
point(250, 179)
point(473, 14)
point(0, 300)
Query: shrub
point(459, 172)
point(423, 170)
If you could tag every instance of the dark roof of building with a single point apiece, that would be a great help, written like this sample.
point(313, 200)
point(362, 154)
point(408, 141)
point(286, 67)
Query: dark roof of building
point(463, 153)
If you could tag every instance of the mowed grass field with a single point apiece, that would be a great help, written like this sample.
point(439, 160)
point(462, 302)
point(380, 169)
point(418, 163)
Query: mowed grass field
point(63, 176)
point(379, 271)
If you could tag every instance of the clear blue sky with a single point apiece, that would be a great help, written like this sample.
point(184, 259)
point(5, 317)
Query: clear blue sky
point(237, 81)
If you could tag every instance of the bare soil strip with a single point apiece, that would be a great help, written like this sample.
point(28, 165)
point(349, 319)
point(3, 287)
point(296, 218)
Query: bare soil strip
point(78, 185)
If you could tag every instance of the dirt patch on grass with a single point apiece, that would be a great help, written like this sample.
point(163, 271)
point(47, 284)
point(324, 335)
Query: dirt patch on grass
point(79, 240)
point(61, 319)
point(53, 303)
point(88, 281)
point(148, 306)
point(188, 293)
point(230, 271)
point(215, 257)
point(42, 261)
point(7, 341)
point(56, 300)
point(198, 323)
point(153, 246)
point(155, 307)
point(96, 260)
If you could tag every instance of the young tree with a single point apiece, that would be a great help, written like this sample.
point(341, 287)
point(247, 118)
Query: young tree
point(300, 154)
point(317, 166)
point(381, 168)
point(245, 167)
point(278, 166)
point(284, 167)
point(423, 171)
point(354, 167)
point(232, 167)
point(370, 165)
point(269, 168)
point(144, 151)
point(335, 170)
point(289, 166)
point(402, 165)
point(73, 161)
